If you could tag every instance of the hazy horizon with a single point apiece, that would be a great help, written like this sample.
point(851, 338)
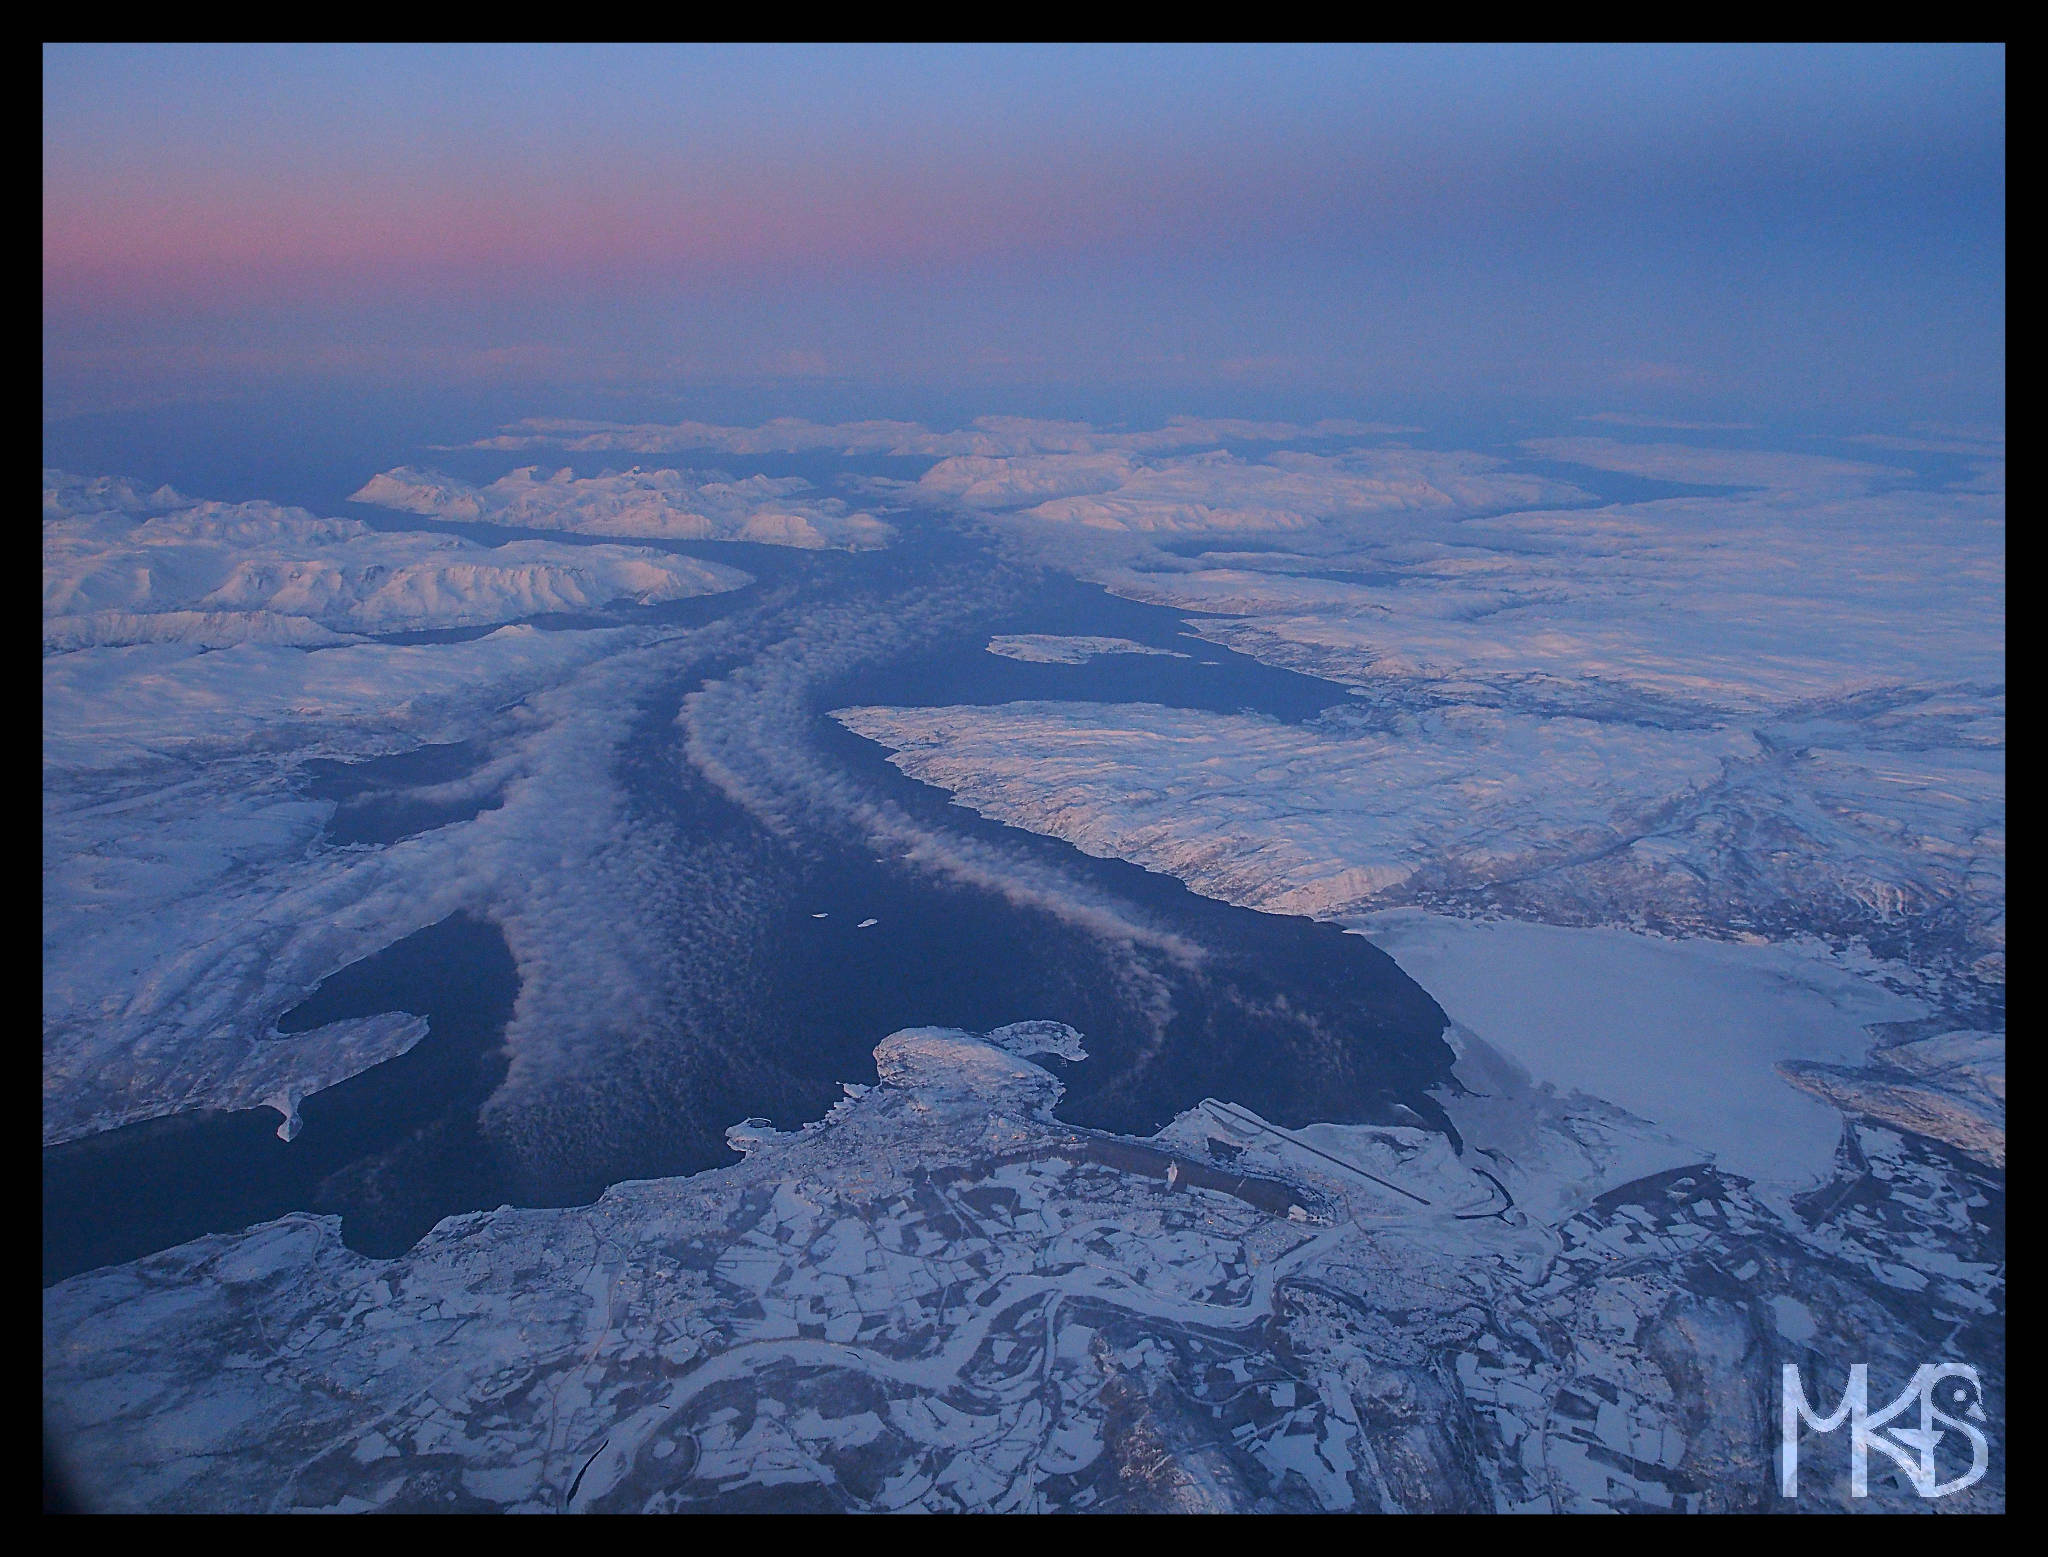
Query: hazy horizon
point(1731, 232)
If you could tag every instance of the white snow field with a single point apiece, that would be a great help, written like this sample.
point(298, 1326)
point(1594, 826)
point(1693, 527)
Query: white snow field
point(1290, 818)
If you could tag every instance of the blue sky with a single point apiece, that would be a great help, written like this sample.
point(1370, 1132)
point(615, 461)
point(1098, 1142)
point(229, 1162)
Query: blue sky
point(1755, 230)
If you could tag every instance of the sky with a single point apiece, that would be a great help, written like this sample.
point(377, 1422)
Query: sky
point(1755, 231)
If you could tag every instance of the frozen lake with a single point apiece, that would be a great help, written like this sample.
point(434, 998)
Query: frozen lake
point(1686, 1034)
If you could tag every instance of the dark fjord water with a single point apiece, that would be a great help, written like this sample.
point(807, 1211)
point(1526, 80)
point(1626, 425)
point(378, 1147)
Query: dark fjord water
point(392, 1150)
point(770, 1006)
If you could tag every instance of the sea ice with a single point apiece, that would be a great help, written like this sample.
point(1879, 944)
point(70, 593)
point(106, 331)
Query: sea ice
point(1067, 649)
point(1684, 1034)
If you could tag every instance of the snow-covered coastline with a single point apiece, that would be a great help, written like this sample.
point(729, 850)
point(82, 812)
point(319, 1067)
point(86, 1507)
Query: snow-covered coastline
point(941, 1298)
point(1705, 868)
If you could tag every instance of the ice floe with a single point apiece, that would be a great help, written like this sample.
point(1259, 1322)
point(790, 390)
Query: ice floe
point(1040, 1037)
point(286, 1070)
point(1068, 648)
